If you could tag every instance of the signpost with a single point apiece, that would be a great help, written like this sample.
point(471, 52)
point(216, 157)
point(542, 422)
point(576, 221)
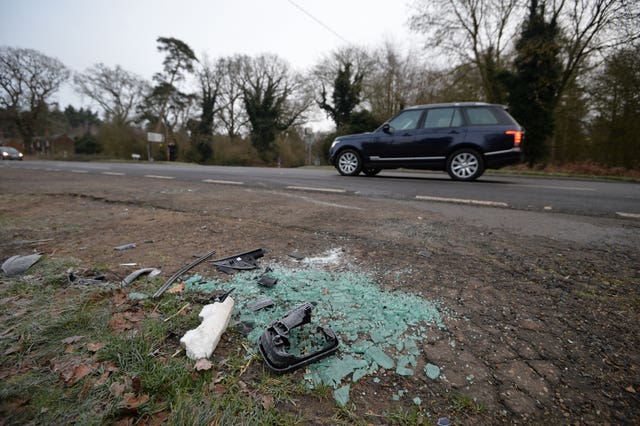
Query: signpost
point(155, 138)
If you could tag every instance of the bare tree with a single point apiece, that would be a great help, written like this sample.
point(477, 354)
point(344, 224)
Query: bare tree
point(477, 31)
point(483, 31)
point(394, 82)
point(210, 80)
point(117, 91)
point(27, 80)
point(231, 114)
point(594, 26)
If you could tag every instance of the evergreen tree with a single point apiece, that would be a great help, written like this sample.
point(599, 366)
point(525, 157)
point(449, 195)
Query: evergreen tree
point(346, 96)
point(534, 84)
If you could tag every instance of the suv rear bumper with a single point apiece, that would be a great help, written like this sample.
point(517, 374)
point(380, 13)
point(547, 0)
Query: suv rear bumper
point(497, 159)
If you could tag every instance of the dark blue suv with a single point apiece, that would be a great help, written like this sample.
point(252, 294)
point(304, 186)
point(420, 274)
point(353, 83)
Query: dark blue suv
point(462, 138)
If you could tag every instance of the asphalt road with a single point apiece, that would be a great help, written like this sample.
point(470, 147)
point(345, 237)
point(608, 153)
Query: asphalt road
point(585, 197)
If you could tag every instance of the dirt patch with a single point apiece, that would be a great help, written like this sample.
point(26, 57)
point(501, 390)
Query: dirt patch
point(535, 328)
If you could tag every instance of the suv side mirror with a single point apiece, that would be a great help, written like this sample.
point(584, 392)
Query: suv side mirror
point(387, 128)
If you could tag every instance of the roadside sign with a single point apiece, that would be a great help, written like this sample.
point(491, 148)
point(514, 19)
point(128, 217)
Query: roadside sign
point(155, 137)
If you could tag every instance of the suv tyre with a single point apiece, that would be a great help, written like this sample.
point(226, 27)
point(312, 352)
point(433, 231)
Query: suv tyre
point(349, 163)
point(465, 164)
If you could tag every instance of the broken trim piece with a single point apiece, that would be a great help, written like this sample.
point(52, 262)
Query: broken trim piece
point(274, 342)
point(177, 275)
point(17, 265)
point(135, 274)
point(242, 262)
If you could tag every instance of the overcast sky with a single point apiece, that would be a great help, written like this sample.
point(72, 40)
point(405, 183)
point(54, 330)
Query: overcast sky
point(81, 33)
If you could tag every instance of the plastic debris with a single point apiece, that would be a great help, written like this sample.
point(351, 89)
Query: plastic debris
point(357, 309)
point(177, 275)
point(240, 262)
point(275, 341)
point(125, 247)
point(135, 274)
point(202, 341)
point(259, 304)
point(86, 278)
point(443, 421)
point(17, 265)
point(267, 281)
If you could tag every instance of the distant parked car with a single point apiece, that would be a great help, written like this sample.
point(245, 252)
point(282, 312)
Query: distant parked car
point(9, 153)
point(462, 138)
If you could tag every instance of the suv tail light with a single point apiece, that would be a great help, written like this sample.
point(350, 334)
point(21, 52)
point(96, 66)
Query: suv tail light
point(517, 136)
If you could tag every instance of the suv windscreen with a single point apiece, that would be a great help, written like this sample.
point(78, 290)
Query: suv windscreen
point(487, 116)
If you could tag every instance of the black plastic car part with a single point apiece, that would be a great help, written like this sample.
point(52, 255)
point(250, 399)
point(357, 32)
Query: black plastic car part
point(239, 262)
point(274, 342)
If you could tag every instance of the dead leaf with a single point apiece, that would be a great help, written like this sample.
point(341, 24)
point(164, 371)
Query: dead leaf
point(119, 323)
point(243, 386)
point(119, 297)
point(203, 364)
point(110, 367)
point(134, 316)
point(161, 418)
point(102, 380)
point(132, 402)
point(267, 401)
point(70, 348)
point(95, 347)
point(136, 384)
point(117, 388)
point(73, 376)
point(218, 389)
point(178, 288)
point(72, 339)
point(218, 378)
point(630, 389)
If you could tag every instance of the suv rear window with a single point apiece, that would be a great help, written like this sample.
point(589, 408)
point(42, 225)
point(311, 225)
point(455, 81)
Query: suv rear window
point(484, 116)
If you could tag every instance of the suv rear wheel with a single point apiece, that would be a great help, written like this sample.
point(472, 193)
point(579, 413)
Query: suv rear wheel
point(465, 164)
point(349, 163)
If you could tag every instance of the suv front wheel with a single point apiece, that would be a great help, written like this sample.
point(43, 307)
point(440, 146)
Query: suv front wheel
point(465, 164)
point(349, 163)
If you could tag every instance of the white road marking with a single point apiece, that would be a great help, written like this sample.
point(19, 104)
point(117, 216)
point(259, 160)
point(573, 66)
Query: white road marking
point(563, 188)
point(318, 202)
point(308, 188)
point(463, 201)
point(79, 171)
point(223, 182)
point(159, 177)
point(629, 215)
point(112, 173)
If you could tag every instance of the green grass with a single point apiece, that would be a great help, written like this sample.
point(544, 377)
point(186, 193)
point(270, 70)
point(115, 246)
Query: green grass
point(49, 310)
point(465, 405)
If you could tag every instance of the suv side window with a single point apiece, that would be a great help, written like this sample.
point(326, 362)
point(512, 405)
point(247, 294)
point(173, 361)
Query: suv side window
point(442, 117)
point(486, 116)
point(406, 120)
